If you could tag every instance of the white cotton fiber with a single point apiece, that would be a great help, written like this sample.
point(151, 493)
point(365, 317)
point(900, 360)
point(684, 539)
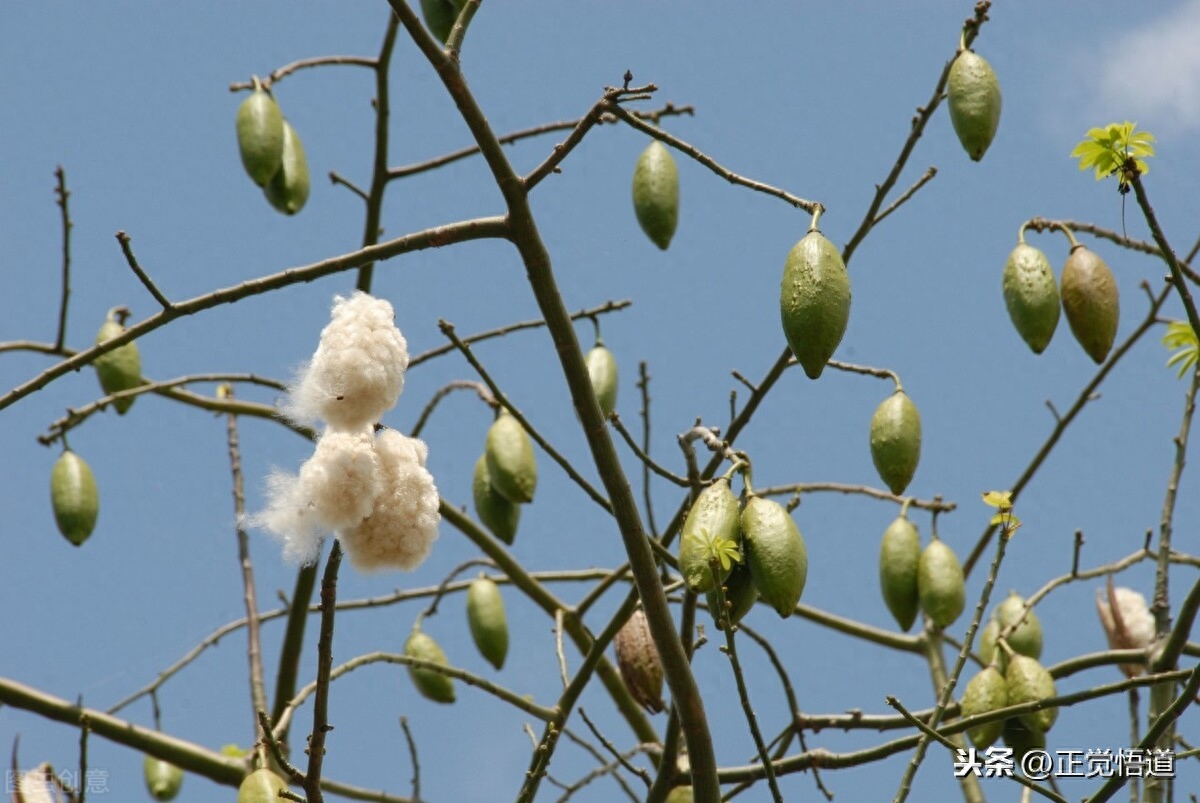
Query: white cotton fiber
point(357, 372)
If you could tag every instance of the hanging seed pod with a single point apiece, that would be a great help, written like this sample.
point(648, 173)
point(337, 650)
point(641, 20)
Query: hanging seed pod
point(775, 553)
point(986, 692)
point(973, 96)
point(740, 594)
point(639, 662)
point(602, 370)
point(814, 301)
point(714, 514)
point(163, 779)
point(121, 368)
point(440, 16)
point(896, 441)
point(485, 615)
point(1022, 738)
point(1089, 298)
point(1025, 638)
point(1031, 295)
point(656, 193)
point(287, 190)
point(497, 513)
point(899, 556)
point(940, 584)
point(431, 684)
point(511, 465)
point(1028, 681)
point(260, 135)
point(74, 497)
point(261, 786)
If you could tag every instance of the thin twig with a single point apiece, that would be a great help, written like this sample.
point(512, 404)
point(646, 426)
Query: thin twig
point(320, 716)
point(443, 392)
point(448, 330)
point(866, 370)
point(624, 762)
point(412, 755)
point(275, 748)
point(62, 195)
point(863, 490)
point(315, 61)
point(1165, 250)
point(643, 386)
point(143, 277)
point(647, 462)
point(925, 178)
point(336, 178)
point(1040, 223)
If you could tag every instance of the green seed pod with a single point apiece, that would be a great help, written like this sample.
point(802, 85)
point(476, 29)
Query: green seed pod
point(740, 593)
point(973, 95)
point(1026, 638)
point(775, 552)
point(287, 190)
point(163, 779)
point(440, 16)
point(985, 692)
point(940, 584)
point(74, 497)
point(988, 652)
point(899, 555)
point(713, 515)
point(896, 441)
point(638, 660)
point(121, 368)
point(485, 615)
point(1089, 297)
point(602, 370)
point(656, 193)
point(1031, 295)
point(510, 461)
point(814, 301)
point(431, 684)
point(680, 794)
point(1021, 738)
point(261, 786)
point(497, 513)
point(260, 135)
point(1028, 681)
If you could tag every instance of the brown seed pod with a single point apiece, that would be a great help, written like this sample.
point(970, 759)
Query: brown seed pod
point(1089, 298)
point(637, 658)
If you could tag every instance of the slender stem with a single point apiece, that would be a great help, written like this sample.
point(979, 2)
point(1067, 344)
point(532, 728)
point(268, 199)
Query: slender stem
point(62, 195)
point(647, 462)
point(143, 277)
point(316, 61)
point(1168, 255)
point(443, 392)
point(647, 499)
point(371, 229)
point(925, 178)
point(798, 488)
point(258, 694)
point(316, 739)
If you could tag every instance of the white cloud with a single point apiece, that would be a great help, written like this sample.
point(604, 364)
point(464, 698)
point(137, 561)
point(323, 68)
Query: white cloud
point(1152, 73)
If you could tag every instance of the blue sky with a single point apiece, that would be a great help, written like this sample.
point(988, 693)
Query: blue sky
point(132, 100)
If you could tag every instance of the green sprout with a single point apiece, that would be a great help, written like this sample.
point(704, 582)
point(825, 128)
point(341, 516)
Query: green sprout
point(1181, 336)
point(1107, 150)
point(1005, 518)
point(724, 551)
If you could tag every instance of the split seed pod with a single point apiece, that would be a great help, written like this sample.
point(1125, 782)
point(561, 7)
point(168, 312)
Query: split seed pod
point(431, 684)
point(656, 193)
point(261, 786)
point(287, 190)
point(940, 583)
point(1089, 297)
point(814, 301)
point(1127, 621)
point(260, 135)
point(497, 513)
point(1025, 638)
point(1031, 295)
point(440, 16)
point(776, 554)
point(639, 662)
point(740, 594)
point(680, 794)
point(714, 514)
point(985, 692)
point(1028, 681)
point(163, 779)
point(973, 95)
point(121, 368)
point(510, 461)
point(489, 626)
point(896, 441)
point(899, 556)
point(74, 497)
point(602, 370)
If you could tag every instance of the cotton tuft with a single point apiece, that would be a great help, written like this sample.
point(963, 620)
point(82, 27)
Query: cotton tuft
point(1127, 622)
point(357, 372)
point(402, 526)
